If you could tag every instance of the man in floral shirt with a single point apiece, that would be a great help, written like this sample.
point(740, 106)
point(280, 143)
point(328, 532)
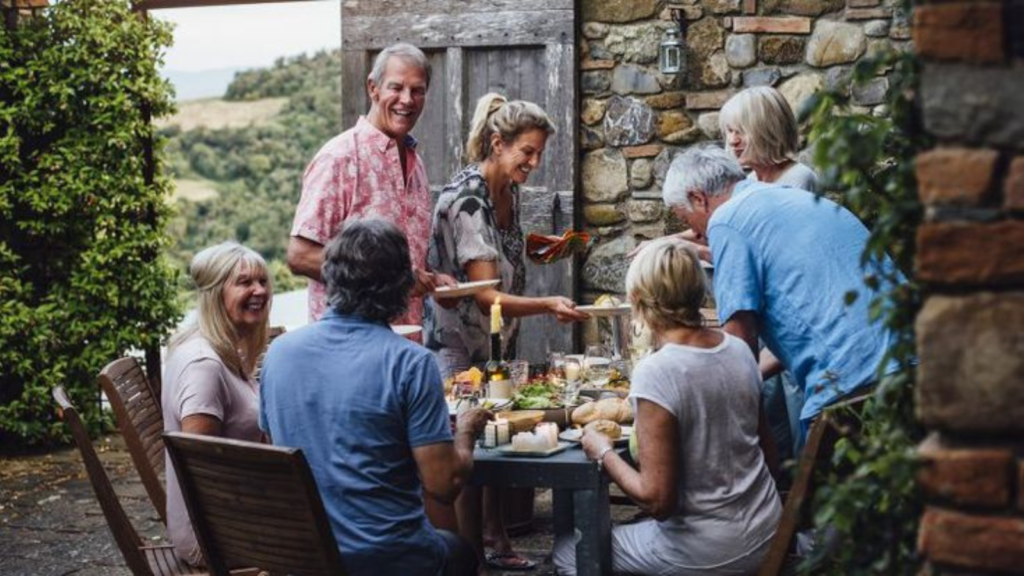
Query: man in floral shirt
point(371, 170)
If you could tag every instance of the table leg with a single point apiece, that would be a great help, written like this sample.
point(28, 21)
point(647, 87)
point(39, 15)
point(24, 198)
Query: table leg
point(592, 517)
point(561, 504)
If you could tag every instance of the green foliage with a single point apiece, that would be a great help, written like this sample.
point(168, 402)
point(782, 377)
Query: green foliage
point(81, 228)
point(873, 505)
point(257, 169)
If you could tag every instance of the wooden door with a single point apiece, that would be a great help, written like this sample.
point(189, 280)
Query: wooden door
point(524, 49)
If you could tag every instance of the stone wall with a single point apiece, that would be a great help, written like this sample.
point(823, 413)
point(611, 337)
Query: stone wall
point(971, 258)
point(634, 119)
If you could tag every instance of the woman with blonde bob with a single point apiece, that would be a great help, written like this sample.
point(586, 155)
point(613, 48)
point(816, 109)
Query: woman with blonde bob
point(702, 476)
point(760, 130)
point(209, 386)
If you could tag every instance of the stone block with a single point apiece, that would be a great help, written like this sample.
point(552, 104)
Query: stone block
point(741, 50)
point(955, 176)
point(595, 82)
point(595, 30)
point(1013, 186)
point(597, 64)
point(707, 100)
point(685, 136)
point(801, 7)
point(971, 254)
point(633, 79)
point(637, 43)
point(593, 111)
point(602, 214)
point(971, 541)
point(750, 6)
point(971, 32)
point(876, 28)
point(667, 100)
point(605, 268)
point(781, 49)
point(661, 164)
point(761, 77)
point(975, 105)
point(839, 79)
point(628, 122)
point(771, 24)
point(868, 13)
point(690, 12)
point(591, 137)
point(965, 476)
point(704, 38)
point(672, 121)
point(618, 10)
point(645, 151)
point(723, 6)
point(641, 174)
point(871, 92)
point(863, 3)
point(971, 354)
point(709, 125)
point(835, 43)
point(900, 28)
point(799, 88)
point(711, 72)
point(597, 51)
point(646, 210)
point(604, 176)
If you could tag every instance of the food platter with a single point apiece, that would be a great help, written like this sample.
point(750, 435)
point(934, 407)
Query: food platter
point(464, 289)
point(507, 450)
point(492, 404)
point(576, 434)
point(616, 310)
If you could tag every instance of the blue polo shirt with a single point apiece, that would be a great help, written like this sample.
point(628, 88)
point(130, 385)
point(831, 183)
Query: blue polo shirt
point(790, 257)
point(357, 398)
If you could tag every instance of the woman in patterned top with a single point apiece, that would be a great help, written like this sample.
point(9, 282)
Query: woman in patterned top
point(475, 236)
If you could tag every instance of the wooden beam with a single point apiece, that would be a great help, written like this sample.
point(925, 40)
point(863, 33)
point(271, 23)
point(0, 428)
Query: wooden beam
point(165, 4)
point(460, 29)
point(355, 67)
point(455, 82)
point(449, 7)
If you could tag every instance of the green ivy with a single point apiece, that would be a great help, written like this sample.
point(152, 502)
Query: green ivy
point(873, 506)
point(82, 278)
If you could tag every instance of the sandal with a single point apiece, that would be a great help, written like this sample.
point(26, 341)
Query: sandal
point(509, 562)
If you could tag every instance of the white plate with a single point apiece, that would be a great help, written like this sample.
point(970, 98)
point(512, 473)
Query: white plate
point(620, 310)
point(406, 329)
point(464, 289)
point(507, 450)
point(492, 404)
point(576, 434)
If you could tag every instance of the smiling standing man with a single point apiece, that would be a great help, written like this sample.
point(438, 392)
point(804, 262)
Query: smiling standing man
point(371, 170)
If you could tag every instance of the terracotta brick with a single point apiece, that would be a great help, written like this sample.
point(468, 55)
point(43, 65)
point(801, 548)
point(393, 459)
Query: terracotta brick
point(862, 3)
point(868, 13)
point(979, 477)
point(750, 6)
point(707, 100)
point(597, 64)
point(959, 176)
point(1013, 186)
point(977, 542)
point(771, 25)
point(971, 254)
point(645, 151)
point(971, 32)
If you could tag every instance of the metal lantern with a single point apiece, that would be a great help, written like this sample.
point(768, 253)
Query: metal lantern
point(671, 53)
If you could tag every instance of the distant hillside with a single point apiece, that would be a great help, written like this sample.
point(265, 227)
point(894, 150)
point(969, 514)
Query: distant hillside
point(205, 84)
point(239, 160)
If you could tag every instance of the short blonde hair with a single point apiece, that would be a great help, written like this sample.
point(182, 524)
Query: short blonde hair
point(763, 115)
point(495, 114)
point(210, 270)
point(666, 285)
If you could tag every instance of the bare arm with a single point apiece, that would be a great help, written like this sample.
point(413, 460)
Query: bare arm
point(769, 364)
point(445, 467)
point(203, 424)
point(305, 257)
point(517, 306)
point(654, 486)
point(743, 325)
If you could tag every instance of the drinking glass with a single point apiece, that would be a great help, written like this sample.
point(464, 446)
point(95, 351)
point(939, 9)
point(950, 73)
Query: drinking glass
point(596, 365)
point(520, 372)
point(556, 366)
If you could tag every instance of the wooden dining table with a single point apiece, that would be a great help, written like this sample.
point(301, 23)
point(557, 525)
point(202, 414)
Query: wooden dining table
point(581, 506)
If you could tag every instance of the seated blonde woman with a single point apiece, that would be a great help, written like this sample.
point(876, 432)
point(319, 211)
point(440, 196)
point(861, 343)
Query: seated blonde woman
point(702, 476)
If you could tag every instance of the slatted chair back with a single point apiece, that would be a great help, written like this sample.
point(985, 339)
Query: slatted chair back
point(254, 505)
point(141, 560)
point(138, 414)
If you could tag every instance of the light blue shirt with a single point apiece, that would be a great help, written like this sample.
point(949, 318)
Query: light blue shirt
point(357, 398)
point(790, 257)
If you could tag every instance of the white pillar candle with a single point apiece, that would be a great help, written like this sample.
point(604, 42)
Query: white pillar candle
point(503, 431)
point(490, 435)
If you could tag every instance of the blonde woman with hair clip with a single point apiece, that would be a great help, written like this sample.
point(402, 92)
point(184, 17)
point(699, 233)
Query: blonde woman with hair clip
point(702, 476)
point(209, 386)
point(476, 236)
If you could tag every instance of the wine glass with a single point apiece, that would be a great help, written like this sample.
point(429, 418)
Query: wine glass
point(596, 365)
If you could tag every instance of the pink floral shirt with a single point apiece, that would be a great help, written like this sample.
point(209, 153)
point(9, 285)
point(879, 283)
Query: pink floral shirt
point(357, 174)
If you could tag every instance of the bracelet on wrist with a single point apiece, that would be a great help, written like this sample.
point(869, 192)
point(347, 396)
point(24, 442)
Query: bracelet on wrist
point(600, 457)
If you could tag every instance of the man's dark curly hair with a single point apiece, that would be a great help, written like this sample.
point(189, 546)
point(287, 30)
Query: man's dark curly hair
point(368, 271)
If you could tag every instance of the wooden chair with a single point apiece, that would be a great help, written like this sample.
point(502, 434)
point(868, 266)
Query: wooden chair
point(142, 560)
point(139, 416)
point(254, 505)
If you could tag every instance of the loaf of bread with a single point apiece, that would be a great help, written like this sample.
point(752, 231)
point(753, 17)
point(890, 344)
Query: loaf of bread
point(606, 427)
point(615, 409)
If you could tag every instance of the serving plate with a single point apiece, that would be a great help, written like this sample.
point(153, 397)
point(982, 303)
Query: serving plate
point(506, 450)
point(406, 329)
point(576, 434)
point(619, 310)
point(492, 404)
point(464, 289)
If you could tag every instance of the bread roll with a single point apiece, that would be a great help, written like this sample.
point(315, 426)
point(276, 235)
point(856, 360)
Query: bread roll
point(614, 409)
point(607, 427)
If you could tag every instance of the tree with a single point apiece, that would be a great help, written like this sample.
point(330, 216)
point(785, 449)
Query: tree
point(82, 208)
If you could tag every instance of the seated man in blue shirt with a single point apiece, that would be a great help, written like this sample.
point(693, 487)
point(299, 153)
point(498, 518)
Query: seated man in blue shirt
point(367, 408)
point(784, 261)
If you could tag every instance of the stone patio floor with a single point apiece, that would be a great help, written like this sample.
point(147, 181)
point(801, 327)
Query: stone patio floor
point(51, 523)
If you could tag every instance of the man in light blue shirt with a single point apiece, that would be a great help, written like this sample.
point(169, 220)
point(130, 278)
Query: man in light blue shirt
point(785, 260)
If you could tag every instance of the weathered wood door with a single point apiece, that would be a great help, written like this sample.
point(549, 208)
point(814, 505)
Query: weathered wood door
point(524, 49)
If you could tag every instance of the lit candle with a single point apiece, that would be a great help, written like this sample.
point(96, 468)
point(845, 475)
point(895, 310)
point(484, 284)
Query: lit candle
point(572, 370)
point(503, 431)
point(496, 316)
point(490, 435)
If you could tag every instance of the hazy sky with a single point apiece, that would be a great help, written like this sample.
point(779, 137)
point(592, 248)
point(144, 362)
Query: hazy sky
point(249, 36)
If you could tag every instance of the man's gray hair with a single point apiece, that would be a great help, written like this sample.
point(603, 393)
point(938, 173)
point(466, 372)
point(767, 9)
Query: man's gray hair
point(707, 169)
point(407, 52)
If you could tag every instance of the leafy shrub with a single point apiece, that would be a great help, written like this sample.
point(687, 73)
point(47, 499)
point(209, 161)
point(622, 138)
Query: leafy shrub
point(82, 212)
